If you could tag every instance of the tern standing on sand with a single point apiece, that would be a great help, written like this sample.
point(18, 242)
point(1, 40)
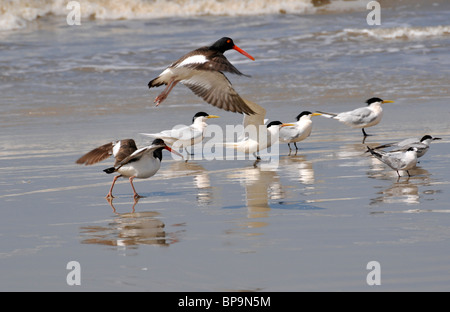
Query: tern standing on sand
point(300, 131)
point(362, 117)
point(400, 160)
point(185, 136)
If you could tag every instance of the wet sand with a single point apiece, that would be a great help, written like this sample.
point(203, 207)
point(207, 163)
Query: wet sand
point(312, 223)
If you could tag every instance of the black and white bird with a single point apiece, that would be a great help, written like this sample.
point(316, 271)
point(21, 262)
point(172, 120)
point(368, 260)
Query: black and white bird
point(400, 160)
point(422, 144)
point(185, 136)
point(300, 131)
point(201, 71)
point(363, 117)
point(130, 161)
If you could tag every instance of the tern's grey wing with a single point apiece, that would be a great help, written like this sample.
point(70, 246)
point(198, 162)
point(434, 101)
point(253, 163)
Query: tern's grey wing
point(359, 116)
point(408, 142)
point(395, 160)
point(421, 148)
point(289, 133)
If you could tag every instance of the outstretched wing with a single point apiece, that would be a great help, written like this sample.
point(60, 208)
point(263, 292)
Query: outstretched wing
point(214, 88)
point(96, 155)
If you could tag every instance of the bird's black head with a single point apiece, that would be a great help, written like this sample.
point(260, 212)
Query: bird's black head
point(158, 142)
point(158, 152)
point(428, 137)
point(200, 114)
point(373, 100)
point(274, 123)
point(303, 114)
point(223, 44)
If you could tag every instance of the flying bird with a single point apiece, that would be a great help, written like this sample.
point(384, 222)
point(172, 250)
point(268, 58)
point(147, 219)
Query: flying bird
point(201, 71)
point(130, 161)
point(362, 117)
point(300, 131)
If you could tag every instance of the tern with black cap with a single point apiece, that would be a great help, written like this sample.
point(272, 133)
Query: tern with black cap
point(363, 117)
point(300, 131)
point(185, 136)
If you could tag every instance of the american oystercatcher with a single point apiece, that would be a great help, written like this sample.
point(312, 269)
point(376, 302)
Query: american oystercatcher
point(131, 162)
point(300, 131)
point(362, 117)
point(201, 71)
point(185, 136)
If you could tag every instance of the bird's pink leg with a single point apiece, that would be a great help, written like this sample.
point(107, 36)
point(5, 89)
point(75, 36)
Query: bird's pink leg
point(110, 195)
point(163, 95)
point(136, 195)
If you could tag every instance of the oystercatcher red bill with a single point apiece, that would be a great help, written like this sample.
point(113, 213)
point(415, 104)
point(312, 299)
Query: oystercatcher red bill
point(173, 151)
point(243, 52)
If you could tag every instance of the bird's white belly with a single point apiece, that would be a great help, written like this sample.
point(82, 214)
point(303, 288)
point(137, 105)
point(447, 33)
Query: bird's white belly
point(144, 168)
point(177, 73)
point(245, 146)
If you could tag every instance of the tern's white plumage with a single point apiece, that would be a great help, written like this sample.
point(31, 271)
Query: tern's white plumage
point(300, 131)
point(256, 137)
point(399, 160)
point(362, 117)
point(185, 136)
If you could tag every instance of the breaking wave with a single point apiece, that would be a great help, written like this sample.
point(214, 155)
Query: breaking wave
point(17, 14)
point(410, 33)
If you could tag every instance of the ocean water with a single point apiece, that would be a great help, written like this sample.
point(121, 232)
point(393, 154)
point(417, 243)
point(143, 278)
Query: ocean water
point(311, 223)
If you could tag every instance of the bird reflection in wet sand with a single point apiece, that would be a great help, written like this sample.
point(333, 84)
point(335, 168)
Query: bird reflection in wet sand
point(405, 191)
point(399, 192)
point(260, 186)
point(298, 168)
point(129, 230)
point(201, 179)
point(110, 201)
